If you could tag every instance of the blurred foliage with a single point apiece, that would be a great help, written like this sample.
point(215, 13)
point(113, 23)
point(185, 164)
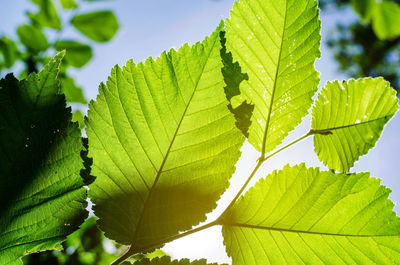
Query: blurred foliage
point(39, 39)
point(371, 45)
point(86, 246)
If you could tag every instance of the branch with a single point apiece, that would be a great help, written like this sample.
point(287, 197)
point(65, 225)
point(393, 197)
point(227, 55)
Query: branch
point(131, 251)
point(126, 255)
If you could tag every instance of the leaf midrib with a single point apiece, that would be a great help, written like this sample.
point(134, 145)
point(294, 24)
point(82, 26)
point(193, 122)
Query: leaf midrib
point(151, 190)
point(299, 231)
point(275, 84)
point(317, 131)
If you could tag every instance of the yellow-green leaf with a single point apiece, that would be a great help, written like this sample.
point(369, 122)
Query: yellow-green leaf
point(305, 216)
point(276, 43)
point(163, 143)
point(348, 118)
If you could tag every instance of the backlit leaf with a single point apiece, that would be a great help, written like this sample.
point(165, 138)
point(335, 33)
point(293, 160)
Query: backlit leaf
point(163, 143)
point(47, 15)
point(167, 261)
point(32, 38)
point(348, 119)
point(41, 190)
point(100, 26)
point(386, 20)
point(77, 54)
point(304, 216)
point(9, 51)
point(276, 44)
point(73, 93)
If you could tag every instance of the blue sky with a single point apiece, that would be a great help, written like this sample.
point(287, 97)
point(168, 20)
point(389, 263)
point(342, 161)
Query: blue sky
point(148, 28)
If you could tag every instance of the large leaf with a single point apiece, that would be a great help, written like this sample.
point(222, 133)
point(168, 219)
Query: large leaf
point(276, 44)
point(41, 190)
point(78, 54)
point(32, 38)
point(304, 216)
point(164, 144)
point(167, 261)
point(348, 119)
point(386, 20)
point(100, 26)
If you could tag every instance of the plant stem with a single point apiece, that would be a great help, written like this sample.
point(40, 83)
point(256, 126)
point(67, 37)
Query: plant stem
point(126, 255)
point(289, 145)
point(261, 160)
point(172, 238)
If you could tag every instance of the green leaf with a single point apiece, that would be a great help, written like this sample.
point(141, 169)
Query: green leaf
point(304, 216)
point(9, 51)
point(73, 93)
point(163, 143)
point(69, 4)
point(386, 20)
point(276, 44)
point(100, 26)
point(77, 116)
point(148, 256)
point(348, 119)
point(167, 261)
point(41, 190)
point(364, 8)
point(77, 55)
point(233, 76)
point(32, 38)
point(47, 15)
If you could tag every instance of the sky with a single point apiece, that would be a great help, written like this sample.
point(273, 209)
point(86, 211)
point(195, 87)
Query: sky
point(152, 26)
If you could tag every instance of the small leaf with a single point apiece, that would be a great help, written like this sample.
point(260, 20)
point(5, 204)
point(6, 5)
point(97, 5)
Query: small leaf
point(73, 93)
point(386, 20)
point(276, 43)
point(304, 216)
point(348, 119)
point(364, 8)
point(47, 15)
point(100, 26)
point(167, 261)
point(32, 38)
point(163, 144)
point(77, 116)
point(69, 4)
point(77, 54)
point(41, 190)
point(9, 51)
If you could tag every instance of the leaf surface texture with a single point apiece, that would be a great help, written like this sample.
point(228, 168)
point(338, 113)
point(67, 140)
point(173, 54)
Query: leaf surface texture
point(41, 190)
point(304, 216)
point(276, 44)
point(163, 143)
point(348, 118)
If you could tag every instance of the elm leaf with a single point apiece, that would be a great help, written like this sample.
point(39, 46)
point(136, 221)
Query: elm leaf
point(41, 190)
point(163, 143)
point(276, 44)
point(305, 216)
point(348, 119)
